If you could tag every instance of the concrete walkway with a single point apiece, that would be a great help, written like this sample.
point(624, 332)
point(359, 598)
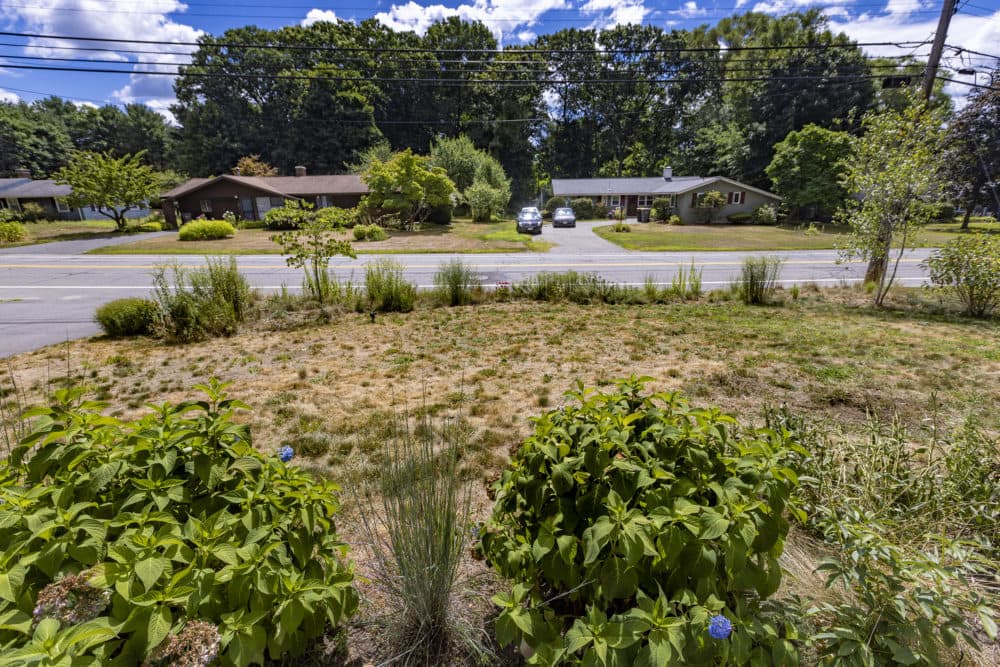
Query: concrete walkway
point(80, 246)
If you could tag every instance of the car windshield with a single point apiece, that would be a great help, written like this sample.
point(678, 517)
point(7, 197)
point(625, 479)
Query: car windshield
point(529, 211)
point(564, 211)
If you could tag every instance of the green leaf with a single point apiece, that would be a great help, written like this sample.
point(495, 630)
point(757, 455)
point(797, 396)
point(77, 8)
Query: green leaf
point(150, 570)
point(158, 626)
point(712, 525)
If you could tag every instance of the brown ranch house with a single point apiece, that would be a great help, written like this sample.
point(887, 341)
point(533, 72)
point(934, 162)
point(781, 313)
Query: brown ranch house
point(250, 197)
point(638, 193)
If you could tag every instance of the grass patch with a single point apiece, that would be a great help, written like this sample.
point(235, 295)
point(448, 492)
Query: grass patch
point(666, 238)
point(459, 237)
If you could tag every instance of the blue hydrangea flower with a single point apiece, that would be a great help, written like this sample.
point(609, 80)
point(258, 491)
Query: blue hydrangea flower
point(720, 627)
point(286, 453)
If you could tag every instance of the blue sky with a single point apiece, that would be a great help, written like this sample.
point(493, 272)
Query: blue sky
point(976, 26)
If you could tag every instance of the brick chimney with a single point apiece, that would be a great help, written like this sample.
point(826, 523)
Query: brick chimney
point(668, 173)
point(21, 172)
point(300, 170)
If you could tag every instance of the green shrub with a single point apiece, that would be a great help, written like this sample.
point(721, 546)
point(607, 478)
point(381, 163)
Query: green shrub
point(940, 212)
point(12, 232)
point(485, 201)
point(130, 540)
point(663, 208)
point(765, 215)
point(574, 287)
point(289, 216)
point(969, 266)
point(759, 279)
point(9, 215)
point(385, 288)
point(252, 224)
point(455, 283)
point(369, 233)
point(128, 317)
point(587, 209)
point(740, 218)
point(202, 303)
point(32, 212)
point(627, 522)
point(206, 230)
point(147, 227)
point(552, 203)
point(336, 217)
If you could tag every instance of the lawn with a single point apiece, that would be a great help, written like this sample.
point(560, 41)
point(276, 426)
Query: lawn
point(329, 389)
point(458, 237)
point(67, 230)
point(657, 237)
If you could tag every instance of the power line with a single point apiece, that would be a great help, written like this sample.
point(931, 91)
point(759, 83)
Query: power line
point(382, 50)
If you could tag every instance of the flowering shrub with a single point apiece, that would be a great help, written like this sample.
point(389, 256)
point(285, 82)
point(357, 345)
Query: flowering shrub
point(170, 540)
point(641, 531)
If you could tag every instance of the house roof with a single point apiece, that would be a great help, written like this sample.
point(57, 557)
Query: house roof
point(281, 186)
point(653, 185)
point(26, 188)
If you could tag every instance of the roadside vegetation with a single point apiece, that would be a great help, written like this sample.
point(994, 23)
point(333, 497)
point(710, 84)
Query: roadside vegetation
point(328, 384)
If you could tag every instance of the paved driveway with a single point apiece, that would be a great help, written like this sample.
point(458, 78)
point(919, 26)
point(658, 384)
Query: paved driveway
point(581, 240)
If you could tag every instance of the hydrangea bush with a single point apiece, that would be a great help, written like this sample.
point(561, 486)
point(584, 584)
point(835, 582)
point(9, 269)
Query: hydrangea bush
point(638, 530)
point(169, 540)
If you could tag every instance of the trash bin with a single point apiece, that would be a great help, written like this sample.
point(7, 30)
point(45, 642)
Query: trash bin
point(643, 215)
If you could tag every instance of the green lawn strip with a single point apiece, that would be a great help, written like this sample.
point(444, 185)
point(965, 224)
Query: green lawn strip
point(665, 238)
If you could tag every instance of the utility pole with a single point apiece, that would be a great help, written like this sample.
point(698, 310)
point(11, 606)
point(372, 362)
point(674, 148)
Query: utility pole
point(947, 11)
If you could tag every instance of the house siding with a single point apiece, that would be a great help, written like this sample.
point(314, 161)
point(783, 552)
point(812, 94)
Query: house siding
point(227, 195)
point(691, 215)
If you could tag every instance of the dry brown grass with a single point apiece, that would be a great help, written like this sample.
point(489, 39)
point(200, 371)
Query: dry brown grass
point(329, 389)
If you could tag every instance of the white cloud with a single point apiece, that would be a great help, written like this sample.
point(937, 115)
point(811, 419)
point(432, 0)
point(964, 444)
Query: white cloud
point(615, 12)
point(140, 19)
point(784, 6)
point(971, 32)
point(317, 15)
point(689, 10)
point(502, 17)
point(526, 36)
point(740, 3)
point(7, 96)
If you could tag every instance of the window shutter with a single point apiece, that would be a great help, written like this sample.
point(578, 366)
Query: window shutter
point(694, 199)
point(729, 197)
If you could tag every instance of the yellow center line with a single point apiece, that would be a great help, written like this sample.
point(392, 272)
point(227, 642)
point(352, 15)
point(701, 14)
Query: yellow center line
point(512, 265)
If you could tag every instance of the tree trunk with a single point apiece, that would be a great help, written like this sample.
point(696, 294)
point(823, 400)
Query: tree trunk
point(965, 220)
point(120, 221)
point(880, 256)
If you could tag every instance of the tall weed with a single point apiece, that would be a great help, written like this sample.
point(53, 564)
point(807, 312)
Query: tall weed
point(455, 283)
point(574, 287)
point(201, 303)
point(759, 280)
point(386, 289)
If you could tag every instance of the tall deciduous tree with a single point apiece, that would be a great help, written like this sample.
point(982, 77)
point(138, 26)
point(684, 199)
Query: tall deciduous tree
point(894, 171)
point(408, 186)
point(972, 151)
point(253, 165)
point(114, 186)
point(807, 170)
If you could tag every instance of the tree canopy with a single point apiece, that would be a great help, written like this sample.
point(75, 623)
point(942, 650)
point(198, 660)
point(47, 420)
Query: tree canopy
point(113, 185)
point(807, 170)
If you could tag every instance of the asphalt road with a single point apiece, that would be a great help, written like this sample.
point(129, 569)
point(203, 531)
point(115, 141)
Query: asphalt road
point(50, 298)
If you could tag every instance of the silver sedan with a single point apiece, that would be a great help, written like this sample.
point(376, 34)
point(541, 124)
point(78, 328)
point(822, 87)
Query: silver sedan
point(563, 217)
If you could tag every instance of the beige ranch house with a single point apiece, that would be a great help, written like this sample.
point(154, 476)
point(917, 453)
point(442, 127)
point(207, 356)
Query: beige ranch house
point(638, 193)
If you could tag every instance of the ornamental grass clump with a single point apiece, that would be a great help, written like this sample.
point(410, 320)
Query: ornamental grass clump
point(629, 524)
point(415, 522)
point(169, 540)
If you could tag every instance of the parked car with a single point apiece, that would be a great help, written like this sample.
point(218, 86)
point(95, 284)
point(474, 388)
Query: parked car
point(529, 221)
point(563, 217)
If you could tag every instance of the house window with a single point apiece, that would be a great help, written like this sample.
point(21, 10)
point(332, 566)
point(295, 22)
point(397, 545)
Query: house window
point(324, 201)
point(206, 205)
point(14, 204)
point(645, 201)
point(736, 197)
point(61, 205)
point(613, 201)
point(246, 205)
point(277, 202)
